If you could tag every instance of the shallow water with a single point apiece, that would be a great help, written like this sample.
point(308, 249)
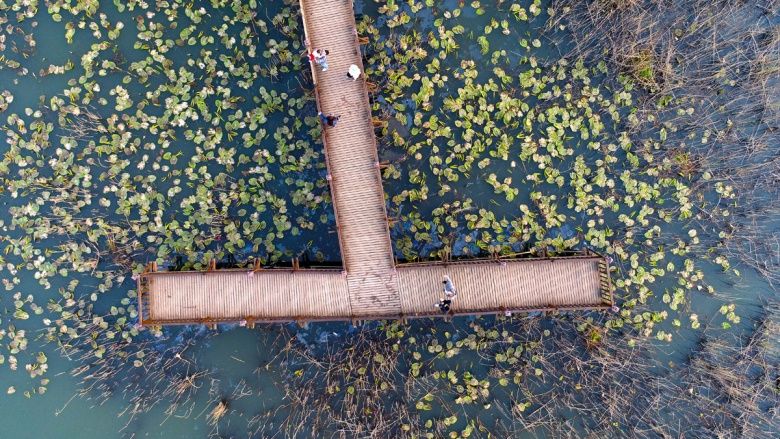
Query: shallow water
point(235, 355)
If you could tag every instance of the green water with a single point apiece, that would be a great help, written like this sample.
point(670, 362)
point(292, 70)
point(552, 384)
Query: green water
point(243, 365)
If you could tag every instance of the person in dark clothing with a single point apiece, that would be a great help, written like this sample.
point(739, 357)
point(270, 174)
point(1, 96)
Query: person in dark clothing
point(444, 305)
point(329, 120)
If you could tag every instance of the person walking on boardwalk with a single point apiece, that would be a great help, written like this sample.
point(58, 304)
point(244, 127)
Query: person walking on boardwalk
point(443, 305)
point(320, 57)
point(449, 288)
point(328, 120)
point(354, 72)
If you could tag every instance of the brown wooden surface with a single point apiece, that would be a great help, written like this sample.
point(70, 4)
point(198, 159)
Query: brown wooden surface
point(231, 295)
point(505, 285)
point(493, 286)
point(350, 147)
point(371, 286)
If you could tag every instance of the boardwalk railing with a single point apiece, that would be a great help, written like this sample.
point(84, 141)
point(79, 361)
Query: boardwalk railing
point(331, 186)
point(371, 285)
point(142, 289)
point(605, 283)
point(485, 286)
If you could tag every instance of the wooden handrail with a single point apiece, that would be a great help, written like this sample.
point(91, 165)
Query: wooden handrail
point(331, 185)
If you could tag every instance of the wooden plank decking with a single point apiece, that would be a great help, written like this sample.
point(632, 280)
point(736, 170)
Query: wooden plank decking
point(484, 287)
point(491, 286)
point(350, 148)
point(230, 295)
point(370, 285)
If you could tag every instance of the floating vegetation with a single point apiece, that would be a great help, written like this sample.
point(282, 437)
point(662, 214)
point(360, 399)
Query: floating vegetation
point(139, 158)
point(396, 381)
point(218, 412)
point(560, 153)
point(179, 133)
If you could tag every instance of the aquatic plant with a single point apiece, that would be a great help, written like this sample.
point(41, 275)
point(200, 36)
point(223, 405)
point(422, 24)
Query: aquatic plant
point(523, 131)
point(104, 170)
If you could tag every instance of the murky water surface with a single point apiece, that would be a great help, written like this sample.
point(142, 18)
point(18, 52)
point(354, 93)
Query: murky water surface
point(239, 359)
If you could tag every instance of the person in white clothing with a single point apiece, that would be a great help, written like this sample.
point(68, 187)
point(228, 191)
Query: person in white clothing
point(449, 288)
point(354, 72)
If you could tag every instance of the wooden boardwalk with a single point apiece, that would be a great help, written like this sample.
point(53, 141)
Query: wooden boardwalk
point(490, 286)
point(353, 164)
point(277, 295)
point(371, 284)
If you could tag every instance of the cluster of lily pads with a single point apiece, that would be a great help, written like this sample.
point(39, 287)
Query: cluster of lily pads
point(523, 150)
point(182, 133)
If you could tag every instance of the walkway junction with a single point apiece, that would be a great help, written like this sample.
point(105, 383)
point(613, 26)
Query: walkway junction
point(370, 285)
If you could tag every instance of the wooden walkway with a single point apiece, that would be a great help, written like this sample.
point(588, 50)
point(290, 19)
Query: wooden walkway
point(353, 164)
point(279, 295)
point(371, 284)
